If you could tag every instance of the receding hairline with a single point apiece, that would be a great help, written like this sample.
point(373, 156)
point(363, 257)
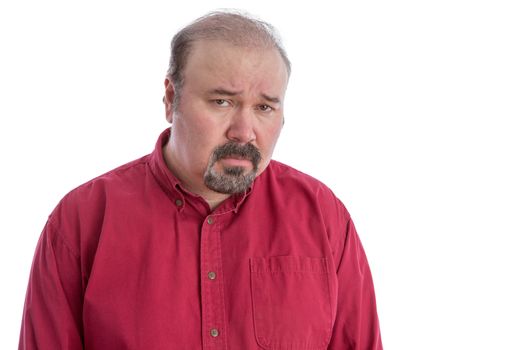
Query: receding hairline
point(205, 45)
point(233, 27)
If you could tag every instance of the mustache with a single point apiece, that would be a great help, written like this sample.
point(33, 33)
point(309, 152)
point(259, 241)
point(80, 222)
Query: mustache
point(245, 151)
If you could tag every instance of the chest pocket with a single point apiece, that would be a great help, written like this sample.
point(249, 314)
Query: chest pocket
point(291, 302)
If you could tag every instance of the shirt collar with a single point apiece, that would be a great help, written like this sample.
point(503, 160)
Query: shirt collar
point(173, 188)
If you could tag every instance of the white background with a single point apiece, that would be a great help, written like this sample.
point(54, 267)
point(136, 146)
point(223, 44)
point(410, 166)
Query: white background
point(411, 111)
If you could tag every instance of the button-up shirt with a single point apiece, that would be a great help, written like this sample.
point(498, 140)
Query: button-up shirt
point(130, 260)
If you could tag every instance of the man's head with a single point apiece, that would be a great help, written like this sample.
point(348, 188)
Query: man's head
point(224, 98)
point(234, 28)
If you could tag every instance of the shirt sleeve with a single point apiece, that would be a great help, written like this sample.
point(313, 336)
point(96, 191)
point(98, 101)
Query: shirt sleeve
point(52, 316)
point(356, 324)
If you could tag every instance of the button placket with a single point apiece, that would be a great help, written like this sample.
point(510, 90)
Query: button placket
point(213, 308)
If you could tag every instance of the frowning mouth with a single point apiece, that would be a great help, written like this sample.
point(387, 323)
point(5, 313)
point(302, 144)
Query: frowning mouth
point(237, 155)
point(232, 161)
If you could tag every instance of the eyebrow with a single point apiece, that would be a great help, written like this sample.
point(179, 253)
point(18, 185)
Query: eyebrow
point(226, 92)
point(271, 99)
point(221, 91)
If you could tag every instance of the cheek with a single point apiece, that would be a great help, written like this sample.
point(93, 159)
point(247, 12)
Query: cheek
point(193, 148)
point(199, 145)
point(273, 136)
point(269, 140)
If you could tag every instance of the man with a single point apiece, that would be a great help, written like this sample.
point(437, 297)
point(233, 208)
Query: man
point(206, 243)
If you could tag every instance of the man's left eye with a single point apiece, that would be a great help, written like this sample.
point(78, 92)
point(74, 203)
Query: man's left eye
point(265, 108)
point(221, 102)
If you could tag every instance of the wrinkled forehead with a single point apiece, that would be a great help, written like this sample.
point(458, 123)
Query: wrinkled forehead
point(235, 66)
point(222, 51)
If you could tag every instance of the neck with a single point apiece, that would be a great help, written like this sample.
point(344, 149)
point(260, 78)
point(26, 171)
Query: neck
point(214, 203)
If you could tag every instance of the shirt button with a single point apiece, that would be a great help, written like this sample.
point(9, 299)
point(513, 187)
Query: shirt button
point(214, 332)
point(210, 220)
point(178, 202)
point(212, 275)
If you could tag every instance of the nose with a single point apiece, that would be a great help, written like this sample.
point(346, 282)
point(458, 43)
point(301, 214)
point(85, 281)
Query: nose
point(241, 127)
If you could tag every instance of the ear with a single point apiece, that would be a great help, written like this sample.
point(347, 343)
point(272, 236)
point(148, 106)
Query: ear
point(169, 94)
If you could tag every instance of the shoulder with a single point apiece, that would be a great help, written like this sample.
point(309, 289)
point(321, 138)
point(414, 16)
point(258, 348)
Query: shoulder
point(121, 179)
point(297, 186)
point(84, 208)
point(288, 177)
point(291, 176)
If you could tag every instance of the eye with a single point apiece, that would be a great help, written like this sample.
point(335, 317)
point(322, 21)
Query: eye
point(221, 102)
point(265, 108)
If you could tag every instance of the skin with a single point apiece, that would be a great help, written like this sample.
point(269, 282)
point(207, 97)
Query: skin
point(230, 93)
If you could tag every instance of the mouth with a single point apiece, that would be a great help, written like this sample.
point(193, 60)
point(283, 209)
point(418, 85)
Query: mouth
point(235, 161)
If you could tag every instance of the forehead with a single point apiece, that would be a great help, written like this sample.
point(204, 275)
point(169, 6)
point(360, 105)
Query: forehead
point(237, 67)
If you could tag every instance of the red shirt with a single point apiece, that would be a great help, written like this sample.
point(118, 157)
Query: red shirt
point(130, 260)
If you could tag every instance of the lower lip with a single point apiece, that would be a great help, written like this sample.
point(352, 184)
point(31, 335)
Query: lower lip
point(232, 162)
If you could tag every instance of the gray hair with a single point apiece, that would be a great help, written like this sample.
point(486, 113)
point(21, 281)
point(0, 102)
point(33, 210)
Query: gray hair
point(236, 28)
